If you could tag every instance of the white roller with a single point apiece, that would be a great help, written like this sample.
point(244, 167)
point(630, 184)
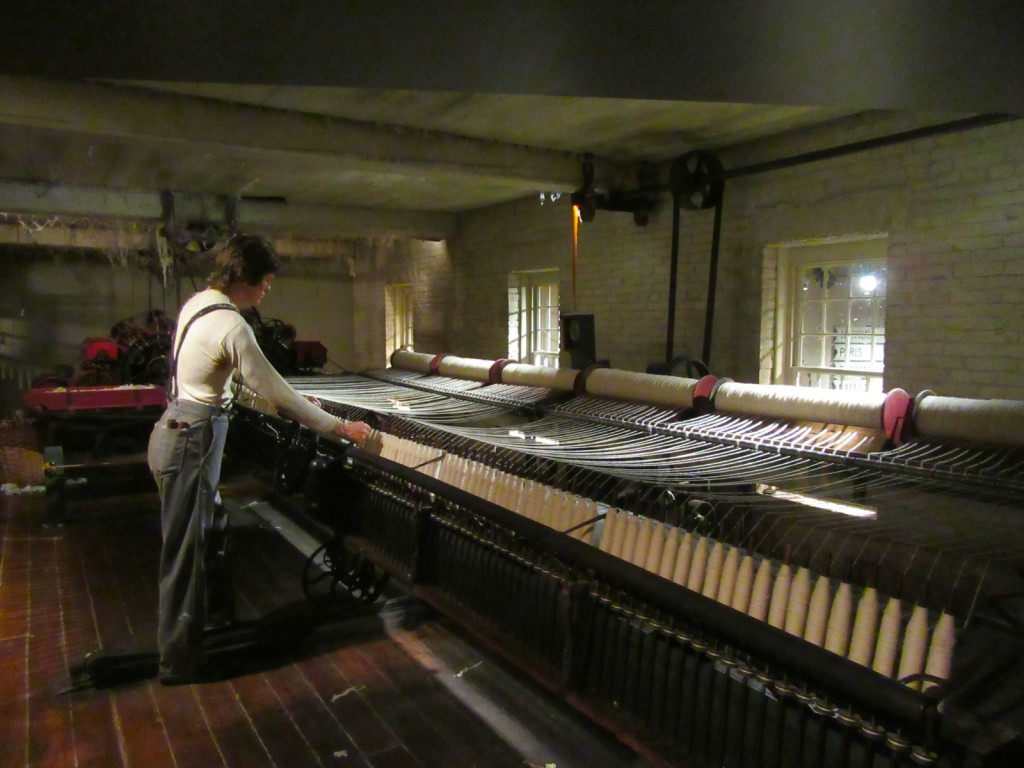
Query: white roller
point(779, 401)
point(915, 646)
point(940, 651)
point(713, 577)
point(503, 489)
point(780, 596)
point(465, 368)
point(744, 585)
point(959, 418)
point(667, 566)
point(760, 592)
point(669, 391)
point(837, 636)
point(536, 500)
point(611, 519)
point(657, 547)
point(417, 362)
point(473, 472)
point(617, 534)
point(518, 494)
point(817, 611)
point(586, 509)
point(888, 638)
point(683, 557)
point(727, 584)
point(865, 628)
point(629, 540)
point(799, 597)
point(699, 564)
point(564, 504)
point(643, 541)
point(563, 379)
point(388, 443)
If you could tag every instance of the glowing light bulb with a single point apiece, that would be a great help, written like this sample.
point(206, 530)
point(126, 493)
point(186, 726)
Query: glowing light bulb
point(868, 283)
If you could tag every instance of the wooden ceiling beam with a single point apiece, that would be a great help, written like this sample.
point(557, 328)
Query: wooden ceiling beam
point(108, 111)
point(41, 206)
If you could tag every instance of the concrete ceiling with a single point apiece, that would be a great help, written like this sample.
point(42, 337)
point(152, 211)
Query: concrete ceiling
point(346, 124)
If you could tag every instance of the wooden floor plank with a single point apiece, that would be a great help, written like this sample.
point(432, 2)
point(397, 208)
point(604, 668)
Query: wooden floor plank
point(396, 693)
point(368, 730)
point(232, 726)
point(312, 717)
point(396, 757)
point(14, 705)
point(103, 590)
point(370, 692)
point(273, 722)
point(187, 728)
point(95, 729)
point(467, 739)
point(51, 730)
point(142, 728)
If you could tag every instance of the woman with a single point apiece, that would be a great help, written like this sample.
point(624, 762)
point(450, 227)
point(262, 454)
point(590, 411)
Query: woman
point(212, 341)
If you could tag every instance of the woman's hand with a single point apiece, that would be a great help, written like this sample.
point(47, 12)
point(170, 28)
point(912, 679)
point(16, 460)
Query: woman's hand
point(353, 431)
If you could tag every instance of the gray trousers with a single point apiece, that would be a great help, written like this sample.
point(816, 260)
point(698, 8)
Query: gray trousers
point(185, 452)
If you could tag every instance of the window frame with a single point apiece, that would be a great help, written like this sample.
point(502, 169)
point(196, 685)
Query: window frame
point(792, 258)
point(400, 314)
point(527, 327)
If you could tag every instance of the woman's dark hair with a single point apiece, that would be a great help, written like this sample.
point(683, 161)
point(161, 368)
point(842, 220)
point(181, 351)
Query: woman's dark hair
point(243, 259)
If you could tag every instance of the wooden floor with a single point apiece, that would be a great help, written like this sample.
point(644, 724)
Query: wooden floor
point(405, 688)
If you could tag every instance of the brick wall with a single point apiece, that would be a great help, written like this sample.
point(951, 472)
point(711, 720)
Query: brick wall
point(426, 265)
point(952, 207)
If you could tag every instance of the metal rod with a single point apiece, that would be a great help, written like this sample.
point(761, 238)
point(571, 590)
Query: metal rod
point(953, 126)
point(672, 280)
point(709, 315)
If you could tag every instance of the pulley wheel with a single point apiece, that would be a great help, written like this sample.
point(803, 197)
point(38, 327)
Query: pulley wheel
point(333, 577)
point(697, 180)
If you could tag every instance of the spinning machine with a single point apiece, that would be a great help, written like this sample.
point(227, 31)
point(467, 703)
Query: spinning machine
point(724, 574)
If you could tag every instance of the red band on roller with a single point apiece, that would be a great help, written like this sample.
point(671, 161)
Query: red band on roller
point(895, 415)
point(435, 364)
point(704, 387)
point(702, 392)
point(494, 374)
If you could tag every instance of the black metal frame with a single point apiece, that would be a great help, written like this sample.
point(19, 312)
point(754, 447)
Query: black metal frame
point(560, 608)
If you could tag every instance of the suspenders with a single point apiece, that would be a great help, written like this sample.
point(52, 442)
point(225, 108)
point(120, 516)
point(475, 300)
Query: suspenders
point(172, 388)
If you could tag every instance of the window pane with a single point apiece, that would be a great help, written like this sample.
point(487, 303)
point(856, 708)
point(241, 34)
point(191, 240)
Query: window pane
point(869, 280)
point(837, 282)
point(839, 344)
point(534, 320)
point(878, 356)
point(836, 314)
point(813, 315)
point(880, 315)
point(812, 284)
point(810, 351)
point(858, 352)
point(862, 315)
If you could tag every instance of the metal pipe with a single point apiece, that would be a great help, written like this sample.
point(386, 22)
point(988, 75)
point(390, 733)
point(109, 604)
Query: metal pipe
point(672, 280)
point(928, 131)
point(709, 312)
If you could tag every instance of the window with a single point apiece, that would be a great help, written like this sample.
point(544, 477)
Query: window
point(398, 320)
point(534, 334)
point(832, 304)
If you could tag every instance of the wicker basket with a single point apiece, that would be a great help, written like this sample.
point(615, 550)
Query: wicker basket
point(21, 466)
